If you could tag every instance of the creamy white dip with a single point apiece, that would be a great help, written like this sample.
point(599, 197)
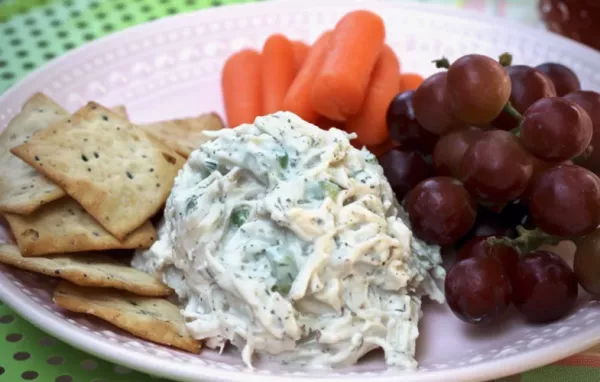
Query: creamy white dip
point(285, 240)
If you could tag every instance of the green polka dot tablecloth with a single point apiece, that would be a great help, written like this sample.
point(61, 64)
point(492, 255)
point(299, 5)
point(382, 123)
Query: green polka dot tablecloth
point(33, 32)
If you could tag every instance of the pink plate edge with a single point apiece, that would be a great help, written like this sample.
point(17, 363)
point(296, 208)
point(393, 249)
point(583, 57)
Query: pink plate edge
point(77, 337)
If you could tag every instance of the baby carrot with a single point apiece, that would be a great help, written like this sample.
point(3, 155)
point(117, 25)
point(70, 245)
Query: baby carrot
point(240, 82)
point(297, 99)
point(410, 81)
point(370, 124)
point(278, 71)
point(300, 52)
point(341, 85)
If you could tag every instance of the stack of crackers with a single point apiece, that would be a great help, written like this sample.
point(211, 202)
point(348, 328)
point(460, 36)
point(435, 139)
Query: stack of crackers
point(79, 192)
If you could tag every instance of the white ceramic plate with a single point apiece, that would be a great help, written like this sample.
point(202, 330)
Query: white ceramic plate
point(170, 68)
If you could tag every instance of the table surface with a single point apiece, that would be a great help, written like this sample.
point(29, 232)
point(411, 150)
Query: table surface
point(33, 32)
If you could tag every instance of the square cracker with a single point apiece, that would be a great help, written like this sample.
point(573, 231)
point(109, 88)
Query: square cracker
point(153, 319)
point(184, 135)
point(87, 269)
point(117, 172)
point(64, 226)
point(22, 188)
point(120, 110)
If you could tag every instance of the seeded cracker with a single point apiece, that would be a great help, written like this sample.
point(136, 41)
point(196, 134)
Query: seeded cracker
point(64, 226)
point(115, 171)
point(184, 135)
point(87, 269)
point(120, 110)
point(22, 188)
point(153, 319)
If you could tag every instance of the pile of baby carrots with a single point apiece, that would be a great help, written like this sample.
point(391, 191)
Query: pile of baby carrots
point(346, 79)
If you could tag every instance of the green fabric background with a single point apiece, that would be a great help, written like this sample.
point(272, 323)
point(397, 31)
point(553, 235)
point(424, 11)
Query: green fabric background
point(33, 32)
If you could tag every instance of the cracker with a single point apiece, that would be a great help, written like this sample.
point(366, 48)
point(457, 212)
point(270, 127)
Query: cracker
point(22, 188)
point(120, 110)
point(87, 269)
point(64, 226)
point(184, 135)
point(153, 319)
point(119, 174)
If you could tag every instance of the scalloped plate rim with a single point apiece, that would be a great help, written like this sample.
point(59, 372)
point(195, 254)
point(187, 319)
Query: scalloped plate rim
point(153, 364)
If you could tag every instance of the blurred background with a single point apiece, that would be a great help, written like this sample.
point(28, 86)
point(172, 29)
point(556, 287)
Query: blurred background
point(33, 32)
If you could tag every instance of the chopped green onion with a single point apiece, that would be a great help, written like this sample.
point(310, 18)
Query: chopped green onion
point(330, 189)
point(283, 160)
point(212, 166)
point(239, 215)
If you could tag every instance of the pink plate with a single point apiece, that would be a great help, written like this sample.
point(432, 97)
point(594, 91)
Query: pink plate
point(170, 68)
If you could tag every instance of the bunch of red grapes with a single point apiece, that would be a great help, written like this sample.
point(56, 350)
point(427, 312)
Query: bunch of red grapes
point(490, 151)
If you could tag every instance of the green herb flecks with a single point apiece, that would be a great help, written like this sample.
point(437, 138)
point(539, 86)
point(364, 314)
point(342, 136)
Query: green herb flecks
point(191, 204)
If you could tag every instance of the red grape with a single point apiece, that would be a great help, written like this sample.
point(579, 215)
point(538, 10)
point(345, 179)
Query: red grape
point(496, 168)
point(451, 148)
point(590, 102)
point(565, 201)
point(432, 109)
point(564, 79)
point(404, 170)
point(479, 246)
point(587, 262)
point(544, 287)
point(478, 88)
point(478, 290)
point(404, 128)
point(539, 167)
point(527, 86)
point(441, 211)
point(556, 129)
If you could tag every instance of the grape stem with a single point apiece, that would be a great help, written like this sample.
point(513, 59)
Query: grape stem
point(442, 63)
point(512, 111)
point(527, 241)
point(505, 59)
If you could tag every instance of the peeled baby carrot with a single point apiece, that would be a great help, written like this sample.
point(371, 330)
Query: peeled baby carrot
point(240, 82)
point(278, 71)
point(370, 124)
point(341, 85)
point(300, 52)
point(410, 81)
point(297, 99)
